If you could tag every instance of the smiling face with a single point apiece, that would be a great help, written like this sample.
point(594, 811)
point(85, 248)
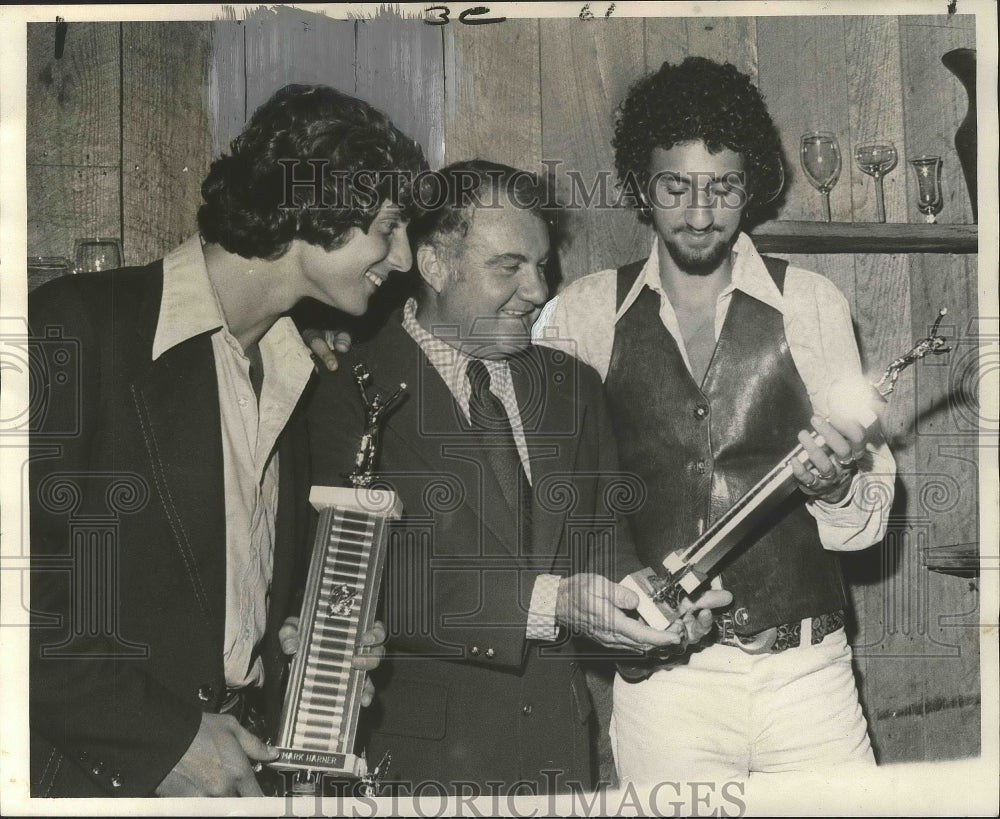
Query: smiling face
point(348, 276)
point(696, 209)
point(492, 287)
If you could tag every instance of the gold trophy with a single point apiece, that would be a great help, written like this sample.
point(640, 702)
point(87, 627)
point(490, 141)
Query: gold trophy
point(319, 716)
point(687, 570)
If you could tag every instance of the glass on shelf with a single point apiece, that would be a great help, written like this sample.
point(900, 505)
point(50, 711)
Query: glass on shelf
point(929, 199)
point(92, 254)
point(819, 153)
point(876, 159)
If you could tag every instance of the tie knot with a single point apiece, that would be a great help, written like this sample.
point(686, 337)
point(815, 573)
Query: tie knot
point(479, 377)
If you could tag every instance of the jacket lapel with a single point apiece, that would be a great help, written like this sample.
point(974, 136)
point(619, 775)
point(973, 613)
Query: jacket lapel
point(551, 420)
point(177, 403)
point(429, 424)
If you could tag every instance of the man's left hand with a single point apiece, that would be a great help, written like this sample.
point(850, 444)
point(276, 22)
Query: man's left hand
point(827, 473)
point(372, 650)
point(325, 344)
point(595, 606)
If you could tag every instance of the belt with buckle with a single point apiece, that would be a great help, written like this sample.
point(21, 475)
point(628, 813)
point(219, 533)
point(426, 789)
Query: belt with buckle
point(777, 638)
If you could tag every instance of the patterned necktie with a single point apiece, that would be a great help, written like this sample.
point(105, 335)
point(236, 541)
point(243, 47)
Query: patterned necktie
point(489, 418)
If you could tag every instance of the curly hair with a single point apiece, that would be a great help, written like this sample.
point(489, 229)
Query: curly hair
point(699, 99)
point(307, 131)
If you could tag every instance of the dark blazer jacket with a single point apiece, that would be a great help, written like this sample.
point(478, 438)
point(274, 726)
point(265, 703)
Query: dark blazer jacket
point(463, 696)
point(128, 538)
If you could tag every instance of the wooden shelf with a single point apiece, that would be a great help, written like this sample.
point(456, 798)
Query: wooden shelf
point(863, 237)
point(960, 559)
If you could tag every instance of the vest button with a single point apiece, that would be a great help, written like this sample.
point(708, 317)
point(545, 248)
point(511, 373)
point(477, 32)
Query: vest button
point(474, 651)
point(526, 709)
point(701, 411)
point(701, 466)
point(206, 693)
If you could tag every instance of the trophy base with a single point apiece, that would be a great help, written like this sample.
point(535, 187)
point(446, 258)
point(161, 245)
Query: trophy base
point(646, 583)
point(310, 766)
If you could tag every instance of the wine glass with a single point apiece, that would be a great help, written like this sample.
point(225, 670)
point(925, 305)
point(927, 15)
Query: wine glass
point(820, 156)
point(928, 171)
point(97, 254)
point(876, 160)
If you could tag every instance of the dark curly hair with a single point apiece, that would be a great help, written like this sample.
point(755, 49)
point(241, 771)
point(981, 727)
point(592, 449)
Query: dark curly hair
point(699, 99)
point(363, 158)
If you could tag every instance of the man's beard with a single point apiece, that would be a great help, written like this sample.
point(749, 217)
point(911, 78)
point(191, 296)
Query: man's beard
point(698, 263)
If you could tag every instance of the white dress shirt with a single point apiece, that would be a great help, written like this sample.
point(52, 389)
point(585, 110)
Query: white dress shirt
point(190, 307)
point(817, 321)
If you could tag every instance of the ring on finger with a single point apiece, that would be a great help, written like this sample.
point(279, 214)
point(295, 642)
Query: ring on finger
point(813, 480)
point(827, 475)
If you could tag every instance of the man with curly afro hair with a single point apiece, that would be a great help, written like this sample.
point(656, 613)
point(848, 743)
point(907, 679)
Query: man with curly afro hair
point(182, 436)
point(713, 358)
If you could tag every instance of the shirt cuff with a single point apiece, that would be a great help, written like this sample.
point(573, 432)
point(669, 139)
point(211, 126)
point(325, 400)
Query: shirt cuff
point(844, 501)
point(542, 623)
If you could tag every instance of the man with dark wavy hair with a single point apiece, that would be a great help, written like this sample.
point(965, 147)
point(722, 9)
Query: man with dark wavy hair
point(713, 357)
point(188, 379)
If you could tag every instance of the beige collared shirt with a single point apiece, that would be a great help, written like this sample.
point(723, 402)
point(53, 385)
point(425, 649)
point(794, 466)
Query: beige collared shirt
point(581, 320)
point(190, 307)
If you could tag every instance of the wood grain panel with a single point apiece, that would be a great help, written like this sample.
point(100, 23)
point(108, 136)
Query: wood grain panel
point(72, 127)
point(666, 41)
point(803, 69)
point(950, 21)
point(935, 103)
point(66, 203)
point(166, 143)
point(288, 45)
point(400, 70)
point(493, 107)
point(874, 86)
point(946, 436)
point(587, 69)
point(726, 40)
point(73, 102)
point(226, 92)
point(886, 578)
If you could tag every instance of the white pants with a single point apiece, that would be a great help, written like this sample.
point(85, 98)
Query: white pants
point(727, 714)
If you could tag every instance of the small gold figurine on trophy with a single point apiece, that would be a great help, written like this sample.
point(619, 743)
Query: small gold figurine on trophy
point(375, 410)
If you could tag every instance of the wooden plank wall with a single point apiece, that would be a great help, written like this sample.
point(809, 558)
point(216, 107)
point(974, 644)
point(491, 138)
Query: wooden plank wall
point(118, 138)
point(121, 130)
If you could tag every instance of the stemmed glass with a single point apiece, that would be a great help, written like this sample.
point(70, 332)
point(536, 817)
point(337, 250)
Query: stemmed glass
point(928, 170)
point(820, 156)
point(876, 160)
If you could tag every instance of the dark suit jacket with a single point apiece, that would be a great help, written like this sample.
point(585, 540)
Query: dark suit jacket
point(464, 697)
point(128, 538)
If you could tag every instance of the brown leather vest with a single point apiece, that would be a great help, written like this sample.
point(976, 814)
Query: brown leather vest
point(699, 449)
